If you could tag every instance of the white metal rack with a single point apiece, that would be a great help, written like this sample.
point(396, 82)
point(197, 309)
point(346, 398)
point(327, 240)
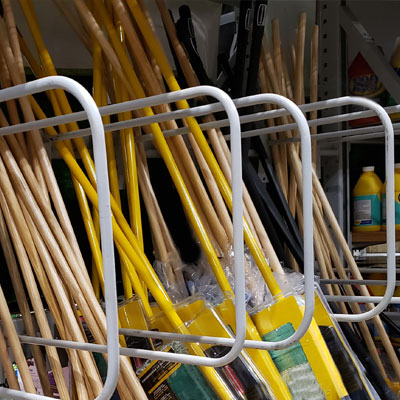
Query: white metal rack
point(93, 114)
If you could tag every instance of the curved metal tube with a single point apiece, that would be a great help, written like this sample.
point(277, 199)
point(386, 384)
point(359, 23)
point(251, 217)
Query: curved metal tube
point(304, 132)
point(390, 211)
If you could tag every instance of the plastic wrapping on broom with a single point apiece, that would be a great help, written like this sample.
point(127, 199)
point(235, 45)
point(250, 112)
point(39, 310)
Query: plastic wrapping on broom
point(257, 291)
point(291, 283)
point(170, 274)
point(200, 279)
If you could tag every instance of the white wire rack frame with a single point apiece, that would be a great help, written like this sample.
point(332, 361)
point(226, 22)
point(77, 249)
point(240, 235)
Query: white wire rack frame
point(384, 130)
point(91, 113)
point(197, 111)
point(99, 153)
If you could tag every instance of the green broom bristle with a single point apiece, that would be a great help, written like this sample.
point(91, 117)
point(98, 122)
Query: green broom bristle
point(293, 366)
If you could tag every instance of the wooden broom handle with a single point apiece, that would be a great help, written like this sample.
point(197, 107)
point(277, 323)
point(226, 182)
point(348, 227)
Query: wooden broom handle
point(314, 87)
point(23, 305)
point(7, 364)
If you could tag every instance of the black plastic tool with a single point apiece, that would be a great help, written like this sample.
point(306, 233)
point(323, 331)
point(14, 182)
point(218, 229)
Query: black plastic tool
point(185, 32)
point(268, 198)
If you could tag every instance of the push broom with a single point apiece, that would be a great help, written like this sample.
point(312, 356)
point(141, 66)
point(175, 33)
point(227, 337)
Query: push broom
point(292, 360)
point(321, 198)
point(320, 256)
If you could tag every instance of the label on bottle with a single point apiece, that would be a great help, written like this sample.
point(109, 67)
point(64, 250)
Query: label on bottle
point(396, 208)
point(367, 210)
point(367, 85)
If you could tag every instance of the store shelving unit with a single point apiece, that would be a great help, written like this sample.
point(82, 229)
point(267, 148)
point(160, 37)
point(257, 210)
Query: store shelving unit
point(369, 238)
point(93, 114)
point(346, 27)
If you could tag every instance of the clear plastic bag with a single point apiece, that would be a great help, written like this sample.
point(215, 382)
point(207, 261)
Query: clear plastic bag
point(201, 279)
point(257, 291)
point(170, 274)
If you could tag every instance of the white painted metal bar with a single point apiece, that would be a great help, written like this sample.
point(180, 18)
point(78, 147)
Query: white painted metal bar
point(390, 228)
point(357, 281)
point(368, 270)
point(203, 110)
point(362, 299)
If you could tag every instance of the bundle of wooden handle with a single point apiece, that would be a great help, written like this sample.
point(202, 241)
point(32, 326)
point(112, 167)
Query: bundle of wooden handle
point(53, 253)
point(40, 243)
point(46, 249)
point(273, 77)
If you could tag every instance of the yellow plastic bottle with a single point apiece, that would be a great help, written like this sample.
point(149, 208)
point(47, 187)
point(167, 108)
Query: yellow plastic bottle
point(396, 199)
point(367, 202)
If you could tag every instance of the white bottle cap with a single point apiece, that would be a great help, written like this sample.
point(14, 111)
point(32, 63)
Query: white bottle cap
point(369, 169)
point(397, 165)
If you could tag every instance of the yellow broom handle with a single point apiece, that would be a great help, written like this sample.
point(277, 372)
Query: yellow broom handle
point(128, 147)
point(95, 278)
point(131, 179)
point(100, 97)
point(29, 12)
point(198, 134)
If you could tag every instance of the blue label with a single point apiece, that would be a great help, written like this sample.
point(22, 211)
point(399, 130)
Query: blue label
point(367, 210)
